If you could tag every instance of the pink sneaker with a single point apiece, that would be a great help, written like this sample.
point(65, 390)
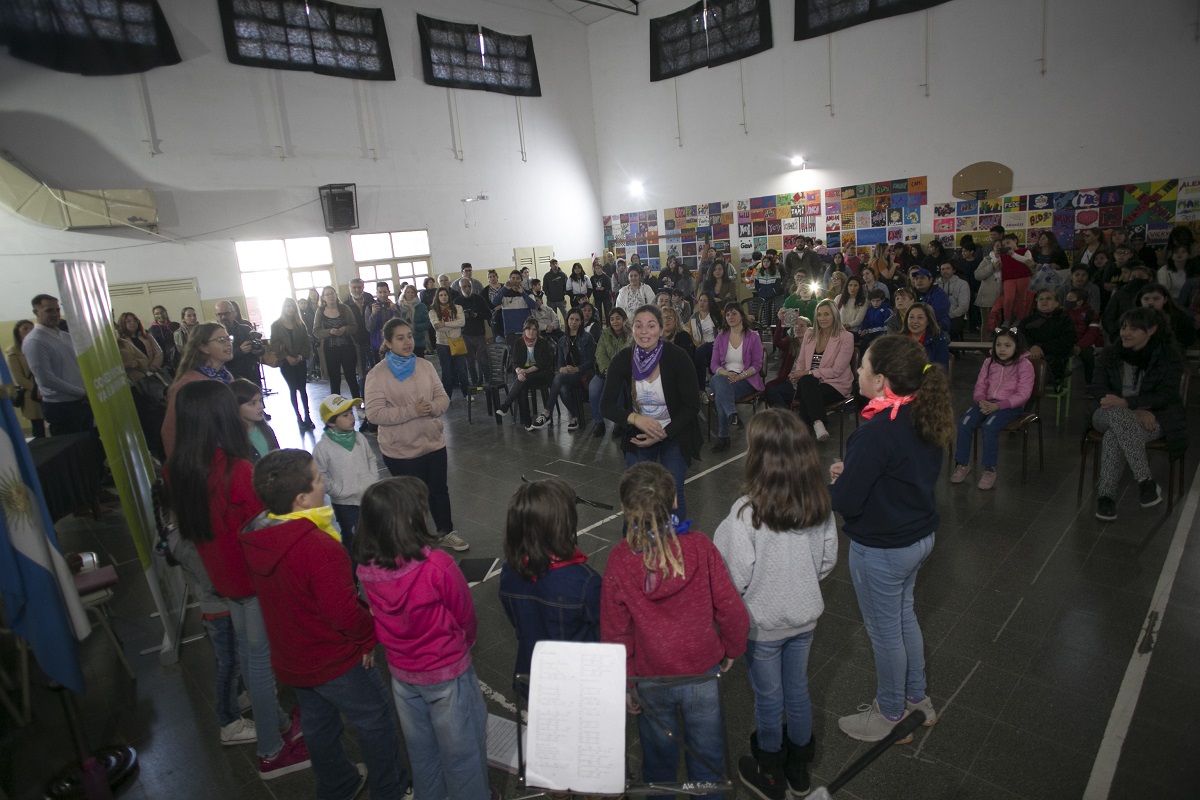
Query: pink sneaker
point(293, 732)
point(961, 471)
point(292, 758)
point(988, 479)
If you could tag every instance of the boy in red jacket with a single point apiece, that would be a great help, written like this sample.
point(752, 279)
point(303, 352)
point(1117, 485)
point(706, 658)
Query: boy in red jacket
point(322, 637)
point(1088, 332)
point(667, 596)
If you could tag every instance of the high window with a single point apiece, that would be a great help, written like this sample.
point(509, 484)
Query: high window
point(397, 257)
point(710, 33)
point(276, 269)
point(466, 56)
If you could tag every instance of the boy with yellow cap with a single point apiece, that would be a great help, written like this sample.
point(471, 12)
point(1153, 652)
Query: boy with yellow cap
point(346, 462)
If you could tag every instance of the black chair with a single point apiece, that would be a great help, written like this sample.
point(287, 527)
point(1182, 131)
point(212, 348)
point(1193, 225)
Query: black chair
point(1032, 414)
point(499, 360)
point(848, 404)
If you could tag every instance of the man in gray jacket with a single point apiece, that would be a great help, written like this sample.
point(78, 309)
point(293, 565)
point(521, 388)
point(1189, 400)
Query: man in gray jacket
point(960, 299)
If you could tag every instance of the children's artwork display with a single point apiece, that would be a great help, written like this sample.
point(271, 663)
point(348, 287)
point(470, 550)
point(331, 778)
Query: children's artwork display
point(633, 232)
point(856, 218)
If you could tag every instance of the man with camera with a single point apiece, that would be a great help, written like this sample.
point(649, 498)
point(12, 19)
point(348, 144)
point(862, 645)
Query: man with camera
point(476, 311)
point(247, 343)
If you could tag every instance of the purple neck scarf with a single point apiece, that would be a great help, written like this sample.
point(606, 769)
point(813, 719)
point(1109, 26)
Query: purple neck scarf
point(644, 361)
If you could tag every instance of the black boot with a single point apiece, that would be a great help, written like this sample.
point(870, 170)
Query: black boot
point(795, 767)
point(722, 444)
point(762, 772)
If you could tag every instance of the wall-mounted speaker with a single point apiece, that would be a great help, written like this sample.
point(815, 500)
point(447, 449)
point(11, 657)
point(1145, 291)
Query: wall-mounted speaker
point(339, 204)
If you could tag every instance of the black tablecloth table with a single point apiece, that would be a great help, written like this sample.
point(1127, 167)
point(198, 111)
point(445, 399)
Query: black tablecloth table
point(70, 467)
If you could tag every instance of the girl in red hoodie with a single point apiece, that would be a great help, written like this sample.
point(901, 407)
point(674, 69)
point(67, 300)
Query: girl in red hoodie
point(668, 598)
point(425, 620)
point(1002, 389)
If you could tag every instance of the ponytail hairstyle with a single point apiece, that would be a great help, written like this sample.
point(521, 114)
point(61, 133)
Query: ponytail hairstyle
point(785, 483)
point(540, 527)
point(1018, 338)
point(901, 361)
point(647, 494)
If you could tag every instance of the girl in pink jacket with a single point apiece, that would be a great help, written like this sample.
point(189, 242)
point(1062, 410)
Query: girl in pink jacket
point(1002, 389)
point(425, 620)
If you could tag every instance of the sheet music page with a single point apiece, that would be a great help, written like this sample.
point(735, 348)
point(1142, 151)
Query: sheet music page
point(577, 718)
point(502, 743)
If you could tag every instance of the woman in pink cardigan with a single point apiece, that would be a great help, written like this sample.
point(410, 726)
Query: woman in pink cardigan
point(821, 374)
point(737, 365)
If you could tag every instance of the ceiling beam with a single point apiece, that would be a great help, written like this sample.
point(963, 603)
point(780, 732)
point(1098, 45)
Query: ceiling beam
point(631, 11)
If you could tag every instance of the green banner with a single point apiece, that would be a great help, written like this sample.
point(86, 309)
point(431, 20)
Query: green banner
point(88, 310)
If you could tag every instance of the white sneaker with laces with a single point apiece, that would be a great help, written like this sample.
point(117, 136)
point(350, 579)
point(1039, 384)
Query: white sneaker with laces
point(240, 731)
point(869, 724)
point(455, 542)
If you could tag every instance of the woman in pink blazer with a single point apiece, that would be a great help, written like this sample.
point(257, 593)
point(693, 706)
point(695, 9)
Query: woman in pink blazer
point(821, 375)
point(737, 365)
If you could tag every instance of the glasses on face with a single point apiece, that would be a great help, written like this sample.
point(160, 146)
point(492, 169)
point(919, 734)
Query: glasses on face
point(219, 340)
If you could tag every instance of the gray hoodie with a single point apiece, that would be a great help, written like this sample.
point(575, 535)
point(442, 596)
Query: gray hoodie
point(777, 572)
point(347, 473)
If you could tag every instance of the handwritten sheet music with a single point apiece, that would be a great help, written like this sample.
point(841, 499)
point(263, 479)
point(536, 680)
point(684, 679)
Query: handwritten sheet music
point(502, 743)
point(577, 718)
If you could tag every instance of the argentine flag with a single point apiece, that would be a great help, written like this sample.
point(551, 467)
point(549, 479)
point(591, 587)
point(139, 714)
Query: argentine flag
point(40, 599)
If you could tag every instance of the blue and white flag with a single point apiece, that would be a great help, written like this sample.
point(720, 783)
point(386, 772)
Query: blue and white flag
point(40, 599)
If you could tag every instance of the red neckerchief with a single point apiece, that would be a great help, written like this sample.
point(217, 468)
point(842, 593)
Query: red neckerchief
point(555, 563)
point(888, 400)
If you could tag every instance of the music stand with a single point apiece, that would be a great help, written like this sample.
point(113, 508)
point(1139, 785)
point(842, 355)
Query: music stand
point(637, 788)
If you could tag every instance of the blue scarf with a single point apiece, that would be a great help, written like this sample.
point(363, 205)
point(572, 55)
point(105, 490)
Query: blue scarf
point(402, 367)
point(221, 374)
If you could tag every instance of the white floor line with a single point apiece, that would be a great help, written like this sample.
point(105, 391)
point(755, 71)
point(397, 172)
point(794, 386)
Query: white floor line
point(1105, 766)
point(717, 467)
point(1008, 619)
point(946, 708)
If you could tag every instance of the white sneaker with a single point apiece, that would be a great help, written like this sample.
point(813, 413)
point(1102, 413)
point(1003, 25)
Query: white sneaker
point(820, 431)
point(455, 542)
point(573, 425)
point(240, 731)
point(869, 725)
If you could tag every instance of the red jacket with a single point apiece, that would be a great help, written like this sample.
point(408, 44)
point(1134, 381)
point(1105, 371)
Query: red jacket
point(232, 503)
point(675, 625)
point(317, 625)
point(1088, 332)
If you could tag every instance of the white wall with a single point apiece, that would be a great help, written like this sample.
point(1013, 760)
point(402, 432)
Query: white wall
point(218, 167)
point(1117, 102)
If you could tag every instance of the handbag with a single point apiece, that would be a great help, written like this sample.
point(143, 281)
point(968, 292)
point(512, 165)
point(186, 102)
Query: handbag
point(270, 358)
point(458, 346)
point(153, 387)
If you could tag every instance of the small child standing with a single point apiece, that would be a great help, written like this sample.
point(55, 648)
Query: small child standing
point(248, 395)
point(1004, 386)
point(321, 634)
point(346, 461)
point(548, 590)
point(425, 620)
point(780, 541)
point(668, 599)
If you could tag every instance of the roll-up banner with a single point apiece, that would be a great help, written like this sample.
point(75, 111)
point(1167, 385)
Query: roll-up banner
point(88, 310)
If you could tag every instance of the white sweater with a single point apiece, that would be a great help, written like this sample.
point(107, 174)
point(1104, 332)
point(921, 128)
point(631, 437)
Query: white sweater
point(347, 473)
point(777, 573)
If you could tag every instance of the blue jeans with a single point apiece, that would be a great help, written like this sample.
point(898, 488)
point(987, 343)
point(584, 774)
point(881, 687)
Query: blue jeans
point(564, 384)
point(668, 454)
point(255, 652)
point(347, 520)
point(445, 730)
point(453, 368)
point(778, 673)
point(883, 580)
point(992, 425)
point(225, 652)
point(700, 706)
point(595, 394)
point(725, 396)
point(361, 697)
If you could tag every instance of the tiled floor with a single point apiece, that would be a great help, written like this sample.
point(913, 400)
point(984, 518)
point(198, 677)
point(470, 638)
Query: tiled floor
point(1030, 608)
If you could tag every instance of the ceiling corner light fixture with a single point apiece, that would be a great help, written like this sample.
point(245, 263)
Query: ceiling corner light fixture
point(636, 189)
point(798, 161)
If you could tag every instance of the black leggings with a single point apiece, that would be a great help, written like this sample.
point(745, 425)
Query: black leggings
point(339, 361)
point(813, 396)
point(296, 376)
point(518, 395)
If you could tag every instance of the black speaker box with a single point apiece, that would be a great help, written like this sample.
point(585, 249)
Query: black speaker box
point(339, 205)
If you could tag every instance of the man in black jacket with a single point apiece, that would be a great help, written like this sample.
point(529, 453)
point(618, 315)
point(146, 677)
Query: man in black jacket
point(554, 284)
point(247, 344)
point(359, 303)
point(476, 311)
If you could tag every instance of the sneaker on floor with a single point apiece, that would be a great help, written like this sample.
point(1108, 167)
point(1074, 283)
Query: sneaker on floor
point(454, 542)
point(362, 780)
point(501, 411)
point(925, 706)
point(240, 731)
point(820, 431)
point(292, 758)
point(1106, 509)
point(573, 425)
point(869, 724)
point(987, 480)
point(293, 732)
point(598, 430)
point(1149, 493)
point(961, 471)
point(541, 421)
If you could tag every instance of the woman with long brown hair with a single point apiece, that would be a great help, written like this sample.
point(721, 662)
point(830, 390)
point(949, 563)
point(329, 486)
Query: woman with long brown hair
point(290, 342)
point(884, 491)
point(31, 407)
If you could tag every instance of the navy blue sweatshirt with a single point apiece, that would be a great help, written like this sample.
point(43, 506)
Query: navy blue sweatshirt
point(886, 491)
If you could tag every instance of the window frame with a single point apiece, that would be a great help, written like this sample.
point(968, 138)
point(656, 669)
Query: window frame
point(662, 68)
point(492, 44)
point(393, 263)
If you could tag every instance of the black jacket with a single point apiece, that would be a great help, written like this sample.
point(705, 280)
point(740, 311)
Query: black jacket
point(362, 335)
point(1055, 334)
point(1121, 301)
point(554, 284)
point(1158, 392)
point(543, 359)
point(678, 375)
point(476, 311)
